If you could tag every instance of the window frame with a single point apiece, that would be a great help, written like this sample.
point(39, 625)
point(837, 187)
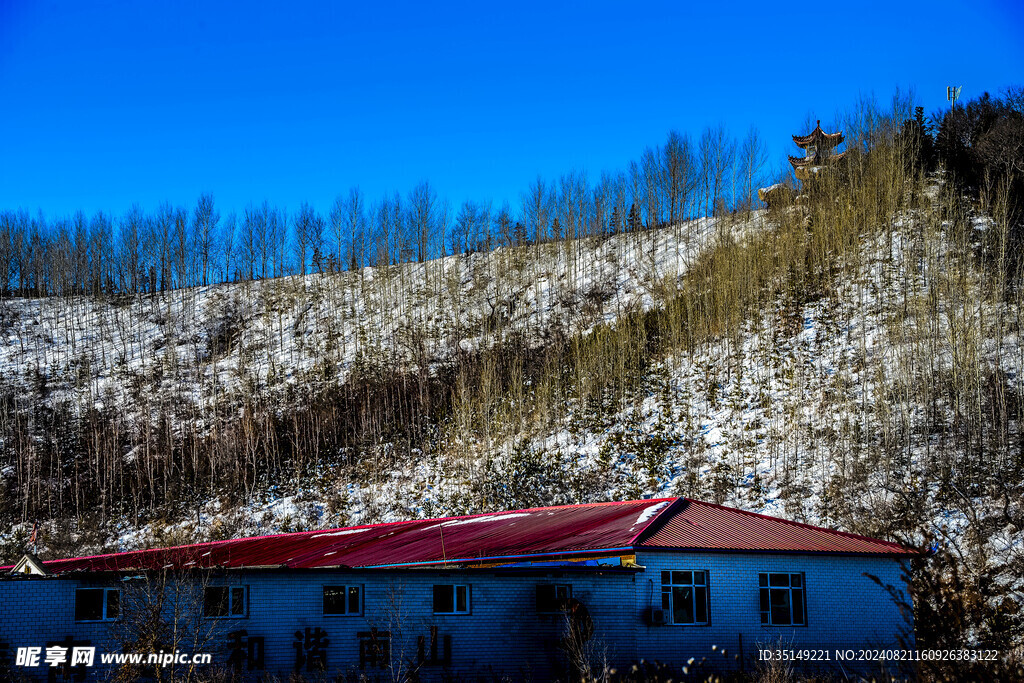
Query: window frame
point(455, 599)
point(765, 587)
point(566, 587)
point(345, 589)
point(105, 604)
point(668, 583)
point(231, 602)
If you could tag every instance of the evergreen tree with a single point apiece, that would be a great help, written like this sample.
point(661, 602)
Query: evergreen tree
point(614, 222)
point(634, 218)
point(917, 139)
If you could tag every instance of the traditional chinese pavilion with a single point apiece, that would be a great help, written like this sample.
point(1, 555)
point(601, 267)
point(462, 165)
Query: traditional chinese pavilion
point(818, 149)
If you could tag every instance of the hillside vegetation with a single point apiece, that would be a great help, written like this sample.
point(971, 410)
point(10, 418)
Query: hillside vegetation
point(853, 360)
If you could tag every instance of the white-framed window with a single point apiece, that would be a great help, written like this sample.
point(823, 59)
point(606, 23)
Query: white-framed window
point(783, 599)
point(684, 597)
point(451, 599)
point(225, 601)
point(552, 598)
point(343, 600)
point(97, 604)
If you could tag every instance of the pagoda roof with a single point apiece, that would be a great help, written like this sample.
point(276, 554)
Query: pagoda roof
point(817, 160)
point(818, 138)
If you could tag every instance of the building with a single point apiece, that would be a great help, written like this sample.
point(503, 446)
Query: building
point(529, 594)
point(819, 152)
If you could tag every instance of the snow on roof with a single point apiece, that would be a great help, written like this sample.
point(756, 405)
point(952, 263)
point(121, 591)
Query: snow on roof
point(540, 533)
point(650, 512)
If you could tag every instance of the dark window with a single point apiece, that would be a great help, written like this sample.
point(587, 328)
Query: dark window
point(113, 603)
point(97, 604)
point(451, 599)
point(88, 604)
point(684, 597)
point(343, 600)
point(224, 601)
point(552, 597)
point(783, 599)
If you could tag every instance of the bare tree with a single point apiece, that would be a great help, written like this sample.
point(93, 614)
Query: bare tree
point(204, 228)
point(538, 205)
point(227, 247)
point(162, 611)
point(309, 230)
point(503, 225)
point(650, 173)
point(423, 219)
point(382, 234)
point(277, 237)
point(253, 243)
point(753, 158)
point(355, 228)
point(677, 163)
point(182, 251)
point(467, 226)
point(723, 160)
point(100, 248)
point(402, 249)
point(130, 252)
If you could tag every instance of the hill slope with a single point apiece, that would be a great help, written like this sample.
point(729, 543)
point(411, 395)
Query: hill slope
point(820, 364)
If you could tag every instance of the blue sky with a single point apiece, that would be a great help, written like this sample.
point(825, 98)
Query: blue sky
point(110, 103)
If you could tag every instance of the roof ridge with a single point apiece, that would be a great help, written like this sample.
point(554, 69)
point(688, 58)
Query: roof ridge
point(653, 522)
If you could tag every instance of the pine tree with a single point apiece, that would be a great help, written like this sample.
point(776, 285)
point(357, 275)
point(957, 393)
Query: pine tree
point(634, 218)
point(917, 137)
point(519, 233)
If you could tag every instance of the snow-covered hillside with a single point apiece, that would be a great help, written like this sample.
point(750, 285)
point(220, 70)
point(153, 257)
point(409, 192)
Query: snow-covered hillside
point(198, 345)
point(825, 407)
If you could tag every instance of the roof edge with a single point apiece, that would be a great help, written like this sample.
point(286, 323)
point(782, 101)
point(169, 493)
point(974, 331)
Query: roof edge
point(906, 554)
point(472, 560)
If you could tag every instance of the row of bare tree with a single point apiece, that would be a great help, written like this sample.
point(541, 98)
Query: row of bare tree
point(179, 246)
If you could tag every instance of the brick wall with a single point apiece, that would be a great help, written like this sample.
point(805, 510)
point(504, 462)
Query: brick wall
point(845, 608)
point(503, 632)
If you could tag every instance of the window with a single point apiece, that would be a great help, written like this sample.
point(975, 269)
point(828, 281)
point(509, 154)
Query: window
point(552, 597)
point(343, 600)
point(783, 601)
point(97, 604)
point(684, 597)
point(224, 601)
point(451, 599)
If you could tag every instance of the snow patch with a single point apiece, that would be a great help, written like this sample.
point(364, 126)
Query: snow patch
point(648, 513)
point(488, 518)
point(343, 532)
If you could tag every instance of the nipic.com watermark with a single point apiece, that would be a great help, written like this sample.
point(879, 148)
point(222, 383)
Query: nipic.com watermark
point(57, 655)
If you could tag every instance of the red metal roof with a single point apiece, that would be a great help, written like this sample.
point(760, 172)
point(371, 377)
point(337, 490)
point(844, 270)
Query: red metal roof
point(552, 532)
point(537, 532)
point(696, 525)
